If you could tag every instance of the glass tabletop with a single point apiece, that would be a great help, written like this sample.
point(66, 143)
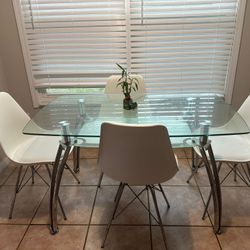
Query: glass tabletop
point(183, 116)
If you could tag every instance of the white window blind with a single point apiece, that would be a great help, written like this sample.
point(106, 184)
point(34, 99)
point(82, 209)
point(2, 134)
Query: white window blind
point(74, 42)
point(180, 45)
point(183, 45)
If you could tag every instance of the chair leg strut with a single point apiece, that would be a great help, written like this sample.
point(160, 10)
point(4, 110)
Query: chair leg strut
point(164, 195)
point(100, 180)
point(15, 192)
point(118, 190)
point(158, 215)
point(33, 174)
point(113, 215)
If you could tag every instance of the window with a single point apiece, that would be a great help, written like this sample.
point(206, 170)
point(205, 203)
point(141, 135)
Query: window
point(181, 45)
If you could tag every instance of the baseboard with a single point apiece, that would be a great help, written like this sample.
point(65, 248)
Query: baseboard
point(87, 153)
point(4, 163)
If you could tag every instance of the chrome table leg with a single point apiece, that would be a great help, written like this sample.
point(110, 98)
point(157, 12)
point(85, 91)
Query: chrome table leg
point(59, 200)
point(55, 184)
point(193, 159)
point(214, 181)
point(76, 159)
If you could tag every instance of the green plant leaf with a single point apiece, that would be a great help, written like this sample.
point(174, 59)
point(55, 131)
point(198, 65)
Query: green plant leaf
point(127, 82)
point(119, 66)
point(137, 81)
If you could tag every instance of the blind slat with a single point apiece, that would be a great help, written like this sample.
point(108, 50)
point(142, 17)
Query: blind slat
point(176, 45)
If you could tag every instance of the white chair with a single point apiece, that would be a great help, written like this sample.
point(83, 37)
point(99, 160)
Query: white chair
point(137, 155)
point(24, 150)
point(112, 88)
point(233, 150)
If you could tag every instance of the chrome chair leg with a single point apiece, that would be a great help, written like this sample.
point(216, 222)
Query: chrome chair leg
point(158, 215)
point(235, 172)
point(248, 168)
point(113, 215)
point(73, 173)
point(100, 180)
point(164, 195)
point(33, 174)
point(15, 192)
point(118, 190)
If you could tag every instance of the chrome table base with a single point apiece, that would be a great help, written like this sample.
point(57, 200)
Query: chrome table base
point(214, 181)
point(204, 147)
point(59, 165)
point(76, 159)
point(208, 160)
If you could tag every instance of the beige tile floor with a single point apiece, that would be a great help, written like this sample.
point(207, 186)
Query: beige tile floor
point(88, 209)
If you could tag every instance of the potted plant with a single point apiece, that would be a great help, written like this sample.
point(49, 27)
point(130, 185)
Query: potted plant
point(128, 84)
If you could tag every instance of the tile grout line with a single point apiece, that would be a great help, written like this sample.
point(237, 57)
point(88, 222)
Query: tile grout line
point(32, 218)
point(209, 217)
point(90, 218)
point(150, 223)
point(94, 203)
point(3, 184)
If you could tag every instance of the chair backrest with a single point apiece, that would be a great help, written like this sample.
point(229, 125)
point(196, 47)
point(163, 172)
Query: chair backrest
point(112, 88)
point(137, 155)
point(12, 121)
point(244, 111)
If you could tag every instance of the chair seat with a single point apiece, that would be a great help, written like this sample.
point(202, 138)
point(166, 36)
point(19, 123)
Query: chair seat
point(28, 151)
point(234, 148)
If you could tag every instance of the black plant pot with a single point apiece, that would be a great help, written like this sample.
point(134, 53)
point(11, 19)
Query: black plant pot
point(128, 103)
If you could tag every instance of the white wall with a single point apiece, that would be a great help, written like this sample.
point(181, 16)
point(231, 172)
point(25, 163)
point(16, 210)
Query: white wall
point(3, 87)
point(3, 81)
point(242, 78)
point(12, 57)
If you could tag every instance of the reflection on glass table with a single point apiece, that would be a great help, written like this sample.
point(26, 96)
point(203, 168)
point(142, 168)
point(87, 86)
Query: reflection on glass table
point(184, 117)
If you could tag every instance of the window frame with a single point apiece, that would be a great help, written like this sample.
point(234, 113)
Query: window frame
point(39, 99)
point(232, 68)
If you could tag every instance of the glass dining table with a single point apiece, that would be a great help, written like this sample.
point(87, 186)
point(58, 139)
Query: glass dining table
point(190, 120)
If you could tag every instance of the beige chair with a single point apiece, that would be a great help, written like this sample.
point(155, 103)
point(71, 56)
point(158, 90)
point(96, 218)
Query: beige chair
point(137, 155)
point(24, 150)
